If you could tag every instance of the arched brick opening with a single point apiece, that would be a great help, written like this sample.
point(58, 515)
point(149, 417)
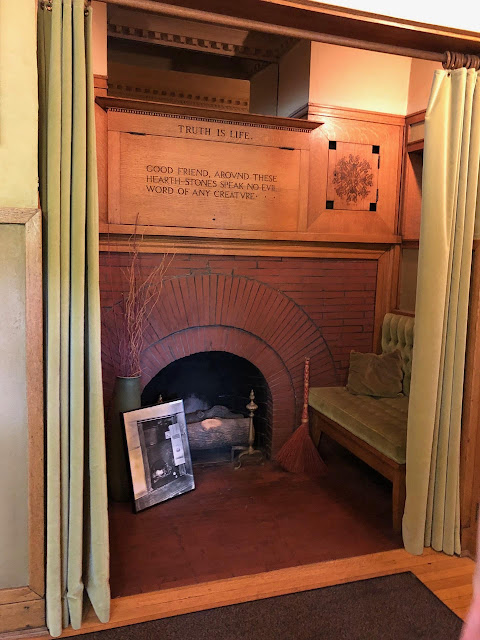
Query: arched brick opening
point(231, 340)
point(240, 315)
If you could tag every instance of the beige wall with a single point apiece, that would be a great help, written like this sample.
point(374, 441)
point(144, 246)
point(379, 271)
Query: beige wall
point(18, 104)
point(421, 78)
point(18, 188)
point(99, 38)
point(13, 414)
point(358, 79)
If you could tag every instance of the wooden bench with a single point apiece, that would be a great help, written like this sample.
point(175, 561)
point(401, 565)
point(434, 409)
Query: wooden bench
point(373, 429)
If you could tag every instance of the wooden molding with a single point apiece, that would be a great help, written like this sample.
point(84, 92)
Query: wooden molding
point(181, 235)
point(201, 42)
point(313, 110)
point(415, 146)
point(172, 244)
point(416, 116)
point(100, 82)
point(354, 23)
point(194, 113)
point(183, 96)
point(24, 606)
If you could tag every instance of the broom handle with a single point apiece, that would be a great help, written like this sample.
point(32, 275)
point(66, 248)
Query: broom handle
point(306, 385)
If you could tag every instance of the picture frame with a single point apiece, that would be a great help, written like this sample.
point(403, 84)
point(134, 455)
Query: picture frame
point(158, 453)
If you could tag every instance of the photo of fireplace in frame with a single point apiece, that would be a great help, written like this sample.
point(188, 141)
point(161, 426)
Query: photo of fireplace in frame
point(215, 387)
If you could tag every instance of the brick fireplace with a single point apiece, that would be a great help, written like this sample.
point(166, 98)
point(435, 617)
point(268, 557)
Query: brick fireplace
point(272, 311)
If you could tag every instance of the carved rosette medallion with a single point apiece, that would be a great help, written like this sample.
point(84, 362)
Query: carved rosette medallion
point(353, 178)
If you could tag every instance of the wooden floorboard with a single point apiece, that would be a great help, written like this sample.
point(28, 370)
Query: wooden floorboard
point(450, 578)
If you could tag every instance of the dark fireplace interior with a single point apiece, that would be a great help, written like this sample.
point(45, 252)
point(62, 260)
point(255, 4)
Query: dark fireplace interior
point(215, 387)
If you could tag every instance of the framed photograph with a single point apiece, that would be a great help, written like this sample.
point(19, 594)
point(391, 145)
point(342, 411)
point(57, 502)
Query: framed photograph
point(159, 453)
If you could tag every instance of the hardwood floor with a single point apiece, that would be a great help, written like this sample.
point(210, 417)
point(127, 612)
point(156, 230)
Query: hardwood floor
point(450, 578)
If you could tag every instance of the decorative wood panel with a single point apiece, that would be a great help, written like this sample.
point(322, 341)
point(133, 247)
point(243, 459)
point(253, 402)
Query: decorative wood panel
point(196, 170)
point(354, 177)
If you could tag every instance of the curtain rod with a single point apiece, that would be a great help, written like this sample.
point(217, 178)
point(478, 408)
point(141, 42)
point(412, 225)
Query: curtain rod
point(254, 25)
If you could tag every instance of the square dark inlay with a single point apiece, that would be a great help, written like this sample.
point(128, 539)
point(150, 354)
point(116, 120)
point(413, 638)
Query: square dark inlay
point(332, 144)
point(329, 204)
point(373, 206)
point(375, 148)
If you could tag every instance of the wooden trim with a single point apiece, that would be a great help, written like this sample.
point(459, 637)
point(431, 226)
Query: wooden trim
point(415, 146)
point(386, 291)
point(380, 28)
point(184, 233)
point(417, 116)
point(470, 441)
point(232, 247)
point(34, 354)
point(410, 244)
point(11, 215)
point(100, 82)
point(348, 113)
point(162, 108)
point(450, 578)
point(22, 615)
point(24, 606)
point(17, 594)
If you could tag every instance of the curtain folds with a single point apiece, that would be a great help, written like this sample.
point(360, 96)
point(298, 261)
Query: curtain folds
point(450, 210)
point(77, 520)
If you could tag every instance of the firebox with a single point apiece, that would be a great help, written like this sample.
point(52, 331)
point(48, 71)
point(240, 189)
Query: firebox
point(215, 388)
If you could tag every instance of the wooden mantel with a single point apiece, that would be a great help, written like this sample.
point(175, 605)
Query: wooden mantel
point(195, 113)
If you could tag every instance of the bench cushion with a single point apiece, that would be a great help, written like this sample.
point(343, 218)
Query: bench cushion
point(381, 422)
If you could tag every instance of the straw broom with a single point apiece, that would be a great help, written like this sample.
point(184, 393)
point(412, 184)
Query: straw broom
point(299, 454)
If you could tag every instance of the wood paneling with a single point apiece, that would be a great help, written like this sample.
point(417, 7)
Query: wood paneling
point(470, 443)
point(411, 200)
point(267, 178)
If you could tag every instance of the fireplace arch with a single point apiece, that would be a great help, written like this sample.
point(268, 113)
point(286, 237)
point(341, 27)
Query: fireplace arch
point(243, 316)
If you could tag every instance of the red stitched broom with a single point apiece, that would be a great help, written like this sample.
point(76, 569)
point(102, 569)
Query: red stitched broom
point(299, 454)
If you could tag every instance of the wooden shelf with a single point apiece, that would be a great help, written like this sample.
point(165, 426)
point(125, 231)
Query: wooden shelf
point(163, 108)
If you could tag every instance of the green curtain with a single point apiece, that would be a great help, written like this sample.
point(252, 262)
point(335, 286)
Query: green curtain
point(77, 518)
point(450, 210)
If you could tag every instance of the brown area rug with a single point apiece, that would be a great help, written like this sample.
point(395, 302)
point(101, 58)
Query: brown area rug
point(396, 607)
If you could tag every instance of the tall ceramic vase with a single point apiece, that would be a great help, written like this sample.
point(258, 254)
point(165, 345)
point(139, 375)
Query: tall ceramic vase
point(126, 397)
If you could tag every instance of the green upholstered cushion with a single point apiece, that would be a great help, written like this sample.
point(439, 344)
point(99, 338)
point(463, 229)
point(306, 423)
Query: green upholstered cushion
point(397, 333)
point(375, 375)
point(381, 422)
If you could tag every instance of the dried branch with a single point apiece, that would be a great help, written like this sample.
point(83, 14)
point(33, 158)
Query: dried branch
point(131, 313)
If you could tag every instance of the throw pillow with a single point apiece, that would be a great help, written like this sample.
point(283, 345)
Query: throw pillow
point(375, 375)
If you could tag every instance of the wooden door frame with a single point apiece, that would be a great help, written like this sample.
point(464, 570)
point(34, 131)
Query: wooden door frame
point(24, 607)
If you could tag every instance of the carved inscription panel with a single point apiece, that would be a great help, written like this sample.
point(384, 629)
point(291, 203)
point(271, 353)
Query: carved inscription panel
point(205, 175)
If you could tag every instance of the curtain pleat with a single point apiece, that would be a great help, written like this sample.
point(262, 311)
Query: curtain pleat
point(77, 522)
point(450, 208)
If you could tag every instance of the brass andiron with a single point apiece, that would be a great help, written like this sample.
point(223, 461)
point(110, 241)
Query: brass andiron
point(250, 454)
